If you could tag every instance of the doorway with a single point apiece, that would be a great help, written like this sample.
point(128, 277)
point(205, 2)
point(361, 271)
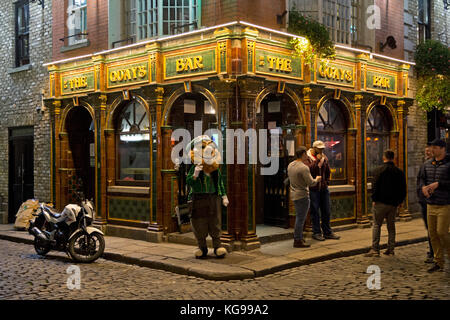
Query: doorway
point(277, 113)
point(80, 129)
point(21, 169)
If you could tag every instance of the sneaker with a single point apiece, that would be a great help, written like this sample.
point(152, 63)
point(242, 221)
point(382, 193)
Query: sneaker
point(434, 268)
point(318, 236)
point(220, 252)
point(332, 236)
point(372, 253)
point(301, 244)
point(201, 253)
point(429, 259)
point(389, 252)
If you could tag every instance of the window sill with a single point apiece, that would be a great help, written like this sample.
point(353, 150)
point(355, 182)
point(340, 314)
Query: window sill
point(19, 69)
point(75, 46)
point(129, 190)
point(342, 188)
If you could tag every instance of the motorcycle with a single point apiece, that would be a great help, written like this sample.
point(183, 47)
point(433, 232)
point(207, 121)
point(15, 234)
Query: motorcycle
point(70, 231)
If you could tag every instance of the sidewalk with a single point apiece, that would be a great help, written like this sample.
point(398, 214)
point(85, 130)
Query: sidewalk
point(270, 258)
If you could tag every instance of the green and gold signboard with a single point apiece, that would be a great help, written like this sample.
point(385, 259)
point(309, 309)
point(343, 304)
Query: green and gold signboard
point(77, 82)
point(190, 64)
point(338, 74)
point(278, 64)
point(127, 74)
point(381, 82)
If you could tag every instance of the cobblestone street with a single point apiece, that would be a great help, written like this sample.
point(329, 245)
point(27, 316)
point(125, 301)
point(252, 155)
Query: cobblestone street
point(25, 275)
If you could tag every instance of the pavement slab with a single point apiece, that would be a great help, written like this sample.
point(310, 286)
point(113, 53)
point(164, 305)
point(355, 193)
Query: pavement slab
point(268, 259)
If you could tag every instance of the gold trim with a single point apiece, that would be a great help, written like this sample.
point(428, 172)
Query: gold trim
point(70, 73)
point(127, 62)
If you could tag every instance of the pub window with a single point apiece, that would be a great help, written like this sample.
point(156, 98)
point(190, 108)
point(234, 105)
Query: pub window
point(155, 18)
point(377, 138)
point(331, 129)
point(77, 21)
point(22, 19)
point(133, 145)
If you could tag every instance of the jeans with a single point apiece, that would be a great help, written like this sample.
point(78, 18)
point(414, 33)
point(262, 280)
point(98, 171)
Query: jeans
point(320, 200)
point(381, 211)
point(301, 209)
point(438, 223)
point(424, 216)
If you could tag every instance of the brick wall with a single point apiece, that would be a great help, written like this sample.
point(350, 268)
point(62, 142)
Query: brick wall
point(260, 12)
point(391, 25)
point(21, 93)
point(97, 29)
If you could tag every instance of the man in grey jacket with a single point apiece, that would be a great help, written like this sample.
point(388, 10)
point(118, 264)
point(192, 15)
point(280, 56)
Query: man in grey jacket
point(435, 184)
point(300, 180)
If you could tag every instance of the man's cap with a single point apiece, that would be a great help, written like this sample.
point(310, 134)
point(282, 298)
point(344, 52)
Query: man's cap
point(319, 144)
point(439, 143)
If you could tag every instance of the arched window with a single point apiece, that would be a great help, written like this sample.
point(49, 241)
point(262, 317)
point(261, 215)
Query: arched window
point(331, 129)
point(133, 144)
point(377, 138)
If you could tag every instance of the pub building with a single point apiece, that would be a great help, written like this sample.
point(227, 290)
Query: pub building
point(113, 114)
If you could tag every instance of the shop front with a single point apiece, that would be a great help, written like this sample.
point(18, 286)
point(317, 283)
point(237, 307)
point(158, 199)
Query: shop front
point(115, 115)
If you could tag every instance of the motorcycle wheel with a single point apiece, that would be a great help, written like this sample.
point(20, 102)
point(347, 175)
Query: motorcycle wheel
point(86, 248)
point(41, 248)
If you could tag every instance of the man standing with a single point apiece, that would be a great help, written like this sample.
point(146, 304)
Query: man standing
point(389, 191)
point(300, 179)
point(320, 195)
point(435, 184)
point(423, 202)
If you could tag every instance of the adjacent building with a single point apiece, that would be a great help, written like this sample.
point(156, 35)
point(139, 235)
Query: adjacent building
point(25, 45)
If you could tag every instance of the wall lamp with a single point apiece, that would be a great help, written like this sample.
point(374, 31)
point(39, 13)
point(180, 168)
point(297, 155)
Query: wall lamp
point(41, 2)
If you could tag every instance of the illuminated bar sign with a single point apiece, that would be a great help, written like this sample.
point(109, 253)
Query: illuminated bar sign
point(382, 82)
point(77, 82)
point(191, 64)
point(338, 74)
point(278, 63)
point(127, 74)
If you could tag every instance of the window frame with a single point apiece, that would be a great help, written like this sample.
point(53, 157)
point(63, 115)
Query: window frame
point(118, 181)
point(22, 47)
point(344, 132)
point(72, 35)
point(424, 20)
point(376, 133)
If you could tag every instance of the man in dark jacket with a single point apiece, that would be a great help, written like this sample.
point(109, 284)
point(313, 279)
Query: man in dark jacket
point(435, 184)
point(423, 202)
point(389, 191)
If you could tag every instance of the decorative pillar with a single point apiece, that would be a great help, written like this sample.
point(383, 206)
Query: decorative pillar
point(101, 172)
point(307, 103)
point(404, 214)
point(56, 165)
point(362, 218)
point(156, 226)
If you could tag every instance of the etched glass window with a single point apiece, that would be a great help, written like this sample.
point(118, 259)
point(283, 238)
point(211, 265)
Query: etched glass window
point(377, 138)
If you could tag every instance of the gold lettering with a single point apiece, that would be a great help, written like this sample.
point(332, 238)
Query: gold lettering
point(142, 71)
point(322, 72)
point(134, 69)
point(179, 65)
point(288, 65)
point(271, 61)
point(198, 62)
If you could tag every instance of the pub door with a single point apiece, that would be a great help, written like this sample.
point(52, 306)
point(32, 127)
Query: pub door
point(277, 114)
point(21, 167)
point(81, 175)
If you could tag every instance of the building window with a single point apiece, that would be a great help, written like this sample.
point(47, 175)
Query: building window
point(331, 129)
point(377, 138)
point(340, 17)
point(22, 21)
point(133, 145)
point(154, 18)
point(76, 21)
point(424, 20)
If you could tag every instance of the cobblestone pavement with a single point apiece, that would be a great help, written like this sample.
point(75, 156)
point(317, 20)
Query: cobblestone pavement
point(25, 275)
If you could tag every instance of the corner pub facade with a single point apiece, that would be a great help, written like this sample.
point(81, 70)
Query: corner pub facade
point(113, 114)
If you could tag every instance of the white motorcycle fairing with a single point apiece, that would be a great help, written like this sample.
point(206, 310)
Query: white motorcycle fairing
point(89, 230)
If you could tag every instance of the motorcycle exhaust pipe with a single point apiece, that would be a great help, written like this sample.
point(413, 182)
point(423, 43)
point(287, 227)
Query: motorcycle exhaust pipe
point(38, 233)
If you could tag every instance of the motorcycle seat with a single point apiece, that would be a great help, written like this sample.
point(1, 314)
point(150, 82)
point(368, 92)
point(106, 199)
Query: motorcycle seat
point(52, 212)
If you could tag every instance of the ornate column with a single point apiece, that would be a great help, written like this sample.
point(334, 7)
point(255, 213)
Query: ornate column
point(362, 218)
point(403, 155)
point(57, 153)
point(101, 172)
point(156, 226)
point(307, 103)
point(224, 91)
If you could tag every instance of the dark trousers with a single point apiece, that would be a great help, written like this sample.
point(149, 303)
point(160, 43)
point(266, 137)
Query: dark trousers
point(423, 205)
point(380, 212)
point(320, 201)
point(206, 219)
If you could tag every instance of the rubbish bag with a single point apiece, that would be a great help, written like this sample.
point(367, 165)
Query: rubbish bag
point(25, 213)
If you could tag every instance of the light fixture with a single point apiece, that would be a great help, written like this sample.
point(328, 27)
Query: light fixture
point(41, 2)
